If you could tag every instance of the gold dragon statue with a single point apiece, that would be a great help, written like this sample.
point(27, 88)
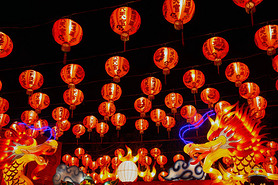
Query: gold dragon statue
point(234, 135)
point(17, 149)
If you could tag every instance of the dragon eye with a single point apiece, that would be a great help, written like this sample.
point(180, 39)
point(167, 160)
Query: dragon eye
point(214, 138)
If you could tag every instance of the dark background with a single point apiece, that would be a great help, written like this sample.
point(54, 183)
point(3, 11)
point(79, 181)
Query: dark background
point(29, 25)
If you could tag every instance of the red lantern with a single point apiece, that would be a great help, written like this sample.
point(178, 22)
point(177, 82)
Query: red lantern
point(259, 103)
point(106, 109)
point(86, 162)
point(142, 152)
point(93, 166)
point(6, 45)
point(74, 161)
point(39, 101)
point(215, 49)
point(249, 90)
point(165, 58)
point(0, 85)
point(141, 125)
point(30, 80)
point(90, 122)
point(125, 21)
point(194, 79)
point(155, 152)
point(118, 120)
point(157, 116)
point(60, 114)
point(161, 160)
point(237, 72)
point(266, 38)
point(178, 157)
point(151, 86)
point(173, 101)
point(102, 128)
point(67, 33)
point(210, 96)
point(78, 130)
point(66, 158)
point(100, 162)
point(161, 175)
point(118, 152)
point(169, 123)
point(4, 105)
point(73, 97)
point(275, 63)
point(178, 12)
point(56, 132)
point(115, 162)
point(72, 74)
point(142, 105)
point(117, 67)
point(63, 125)
point(79, 152)
point(41, 125)
point(29, 117)
point(111, 92)
point(197, 120)
point(188, 112)
point(4, 120)
point(272, 145)
point(146, 160)
point(220, 107)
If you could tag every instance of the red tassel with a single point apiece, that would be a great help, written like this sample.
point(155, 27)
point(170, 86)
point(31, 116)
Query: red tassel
point(182, 38)
point(65, 58)
point(124, 46)
point(252, 21)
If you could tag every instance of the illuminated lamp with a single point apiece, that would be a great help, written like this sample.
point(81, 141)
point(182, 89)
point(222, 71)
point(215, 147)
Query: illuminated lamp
point(74, 161)
point(151, 86)
point(115, 162)
point(188, 112)
point(157, 116)
point(161, 175)
point(146, 160)
point(141, 125)
point(90, 122)
point(173, 101)
point(79, 152)
point(178, 157)
point(56, 132)
point(73, 97)
point(41, 125)
point(197, 120)
point(127, 171)
point(169, 123)
point(155, 152)
point(4, 120)
point(66, 158)
point(119, 151)
point(142, 105)
point(106, 109)
point(275, 63)
point(0, 85)
point(237, 72)
point(6, 45)
point(4, 105)
point(78, 130)
point(258, 103)
point(60, 113)
point(118, 120)
point(117, 67)
point(161, 160)
point(111, 92)
point(249, 90)
point(63, 125)
point(210, 96)
point(72, 74)
point(30, 80)
point(93, 165)
point(102, 128)
point(29, 117)
point(39, 101)
point(220, 107)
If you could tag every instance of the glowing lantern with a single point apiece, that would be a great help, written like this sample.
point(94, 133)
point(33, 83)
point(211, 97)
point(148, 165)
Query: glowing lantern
point(119, 151)
point(6, 45)
point(142, 152)
point(79, 152)
point(60, 114)
point(67, 33)
point(73, 97)
point(258, 104)
point(142, 105)
point(29, 117)
point(272, 145)
point(72, 74)
point(125, 21)
point(197, 120)
point(237, 72)
point(215, 49)
point(100, 162)
point(161, 175)
point(78, 130)
point(41, 125)
point(39, 101)
point(115, 162)
point(66, 158)
point(165, 58)
point(127, 171)
point(32, 132)
point(30, 80)
point(178, 12)
point(90, 122)
point(63, 125)
point(178, 157)
point(93, 166)
point(155, 152)
point(56, 132)
point(141, 125)
point(161, 160)
point(106, 109)
point(118, 120)
point(151, 86)
point(111, 92)
point(4, 105)
point(107, 159)
point(210, 96)
point(117, 67)
point(169, 123)
point(188, 112)
point(249, 90)
point(74, 161)
point(173, 101)
point(194, 79)
point(86, 162)
point(146, 160)
point(4, 120)
point(274, 63)
point(0, 85)
point(220, 107)
point(157, 116)
point(102, 128)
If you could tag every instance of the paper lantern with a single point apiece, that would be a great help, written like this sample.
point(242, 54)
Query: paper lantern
point(155, 152)
point(266, 38)
point(63, 125)
point(249, 90)
point(161, 160)
point(258, 103)
point(86, 162)
point(6, 45)
point(237, 72)
point(142, 152)
point(169, 123)
point(111, 92)
point(106, 109)
point(272, 145)
point(41, 125)
point(194, 79)
point(145, 160)
point(29, 117)
point(197, 120)
point(151, 86)
point(173, 101)
point(74, 161)
point(67, 33)
point(4, 105)
point(165, 58)
point(72, 74)
point(4, 120)
point(0, 85)
point(39, 101)
point(56, 132)
point(93, 166)
point(210, 96)
point(73, 97)
point(142, 105)
point(118, 152)
point(161, 175)
point(102, 128)
point(117, 67)
point(125, 21)
point(215, 49)
point(78, 130)
point(60, 114)
point(66, 158)
point(178, 12)
point(118, 120)
point(115, 162)
point(30, 80)
point(157, 116)
point(100, 162)
point(178, 157)
point(79, 152)
point(220, 107)
point(127, 171)
point(188, 112)
point(141, 125)
point(90, 122)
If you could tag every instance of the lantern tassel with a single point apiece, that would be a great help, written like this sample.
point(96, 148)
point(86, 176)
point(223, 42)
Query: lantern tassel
point(158, 129)
point(218, 70)
point(168, 134)
point(141, 135)
point(77, 141)
point(101, 140)
point(118, 133)
point(252, 21)
point(182, 37)
point(71, 113)
point(165, 81)
point(65, 58)
point(89, 136)
point(195, 99)
point(124, 46)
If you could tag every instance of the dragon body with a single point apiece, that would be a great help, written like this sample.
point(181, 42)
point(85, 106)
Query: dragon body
point(235, 136)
